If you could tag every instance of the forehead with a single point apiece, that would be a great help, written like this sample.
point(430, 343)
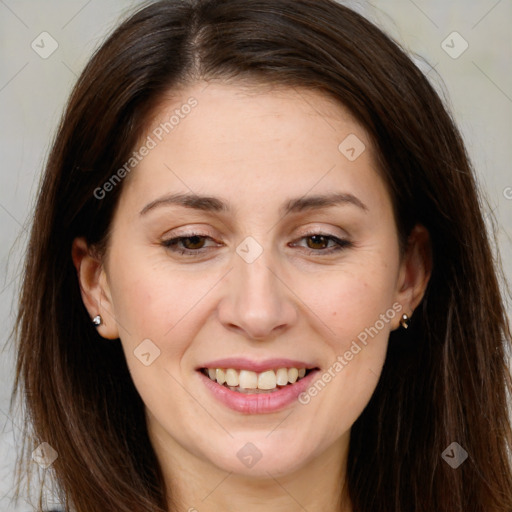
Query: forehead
point(266, 140)
point(227, 113)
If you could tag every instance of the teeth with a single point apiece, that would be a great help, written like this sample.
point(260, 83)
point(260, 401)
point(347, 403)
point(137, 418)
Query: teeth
point(268, 380)
point(231, 377)
point(220, 376)
point(293, 374)
point(248, 380)
point(282, 376)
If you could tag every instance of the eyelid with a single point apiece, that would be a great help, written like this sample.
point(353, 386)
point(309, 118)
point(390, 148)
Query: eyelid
point(187, 231)
point(191, 233)
point(323, 232)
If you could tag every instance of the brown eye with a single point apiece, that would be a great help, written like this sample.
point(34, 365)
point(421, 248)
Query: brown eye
point(321, 244)
point(196, 242)
point(192, 245)
point(317, 241)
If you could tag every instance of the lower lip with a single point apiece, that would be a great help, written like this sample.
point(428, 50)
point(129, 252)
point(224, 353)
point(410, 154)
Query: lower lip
point(260, 403)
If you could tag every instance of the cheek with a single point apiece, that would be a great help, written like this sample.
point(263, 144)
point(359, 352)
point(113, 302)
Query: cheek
point(153, 301)
point(357, 306)
point(158, 313)
point(351, 301)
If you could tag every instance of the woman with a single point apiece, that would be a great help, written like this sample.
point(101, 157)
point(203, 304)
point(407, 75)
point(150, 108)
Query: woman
point(259, 276)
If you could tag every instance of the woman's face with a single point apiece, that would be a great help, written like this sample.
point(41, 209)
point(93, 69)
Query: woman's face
point(254, 241)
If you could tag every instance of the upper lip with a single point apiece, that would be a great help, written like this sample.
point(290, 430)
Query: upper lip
point(242, 363)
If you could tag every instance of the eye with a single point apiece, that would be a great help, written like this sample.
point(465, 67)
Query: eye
point(319, 243)
point(192, 244)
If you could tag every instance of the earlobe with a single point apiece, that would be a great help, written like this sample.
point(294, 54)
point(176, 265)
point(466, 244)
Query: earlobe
point(415, 270)
point(94, 288)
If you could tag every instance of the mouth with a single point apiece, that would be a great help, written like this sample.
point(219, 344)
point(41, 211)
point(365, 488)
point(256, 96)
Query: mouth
point(251, 388)
point(250, 382)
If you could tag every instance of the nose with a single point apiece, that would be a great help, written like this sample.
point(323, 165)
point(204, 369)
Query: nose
point(257, 301)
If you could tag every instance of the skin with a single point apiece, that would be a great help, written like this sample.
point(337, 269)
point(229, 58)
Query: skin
point(255, 149)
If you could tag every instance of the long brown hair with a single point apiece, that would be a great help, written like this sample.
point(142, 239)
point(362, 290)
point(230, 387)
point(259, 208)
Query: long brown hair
point(445, 379)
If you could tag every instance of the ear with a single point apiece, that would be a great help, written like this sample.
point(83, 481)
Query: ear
point(94, 287)
point(415, 270)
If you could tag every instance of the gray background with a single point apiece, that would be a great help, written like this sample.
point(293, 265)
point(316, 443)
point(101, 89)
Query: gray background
point(477, 87)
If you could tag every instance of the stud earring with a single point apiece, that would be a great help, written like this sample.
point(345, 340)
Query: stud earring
point(97, 320)
point(405, 321)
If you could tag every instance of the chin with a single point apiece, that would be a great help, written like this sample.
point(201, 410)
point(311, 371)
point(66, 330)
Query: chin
point(260, 456)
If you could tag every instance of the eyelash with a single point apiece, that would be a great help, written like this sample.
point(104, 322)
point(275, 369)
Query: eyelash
point(172, 243)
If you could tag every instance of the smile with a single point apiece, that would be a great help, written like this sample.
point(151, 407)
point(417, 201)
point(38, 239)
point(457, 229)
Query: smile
point(246, 381)
point(248, 387)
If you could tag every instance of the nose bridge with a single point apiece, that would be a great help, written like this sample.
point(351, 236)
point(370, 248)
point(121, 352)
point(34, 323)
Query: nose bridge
point(257, 281)
point(256, 301)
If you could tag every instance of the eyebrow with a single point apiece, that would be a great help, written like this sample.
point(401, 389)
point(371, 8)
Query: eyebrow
point(295, 205)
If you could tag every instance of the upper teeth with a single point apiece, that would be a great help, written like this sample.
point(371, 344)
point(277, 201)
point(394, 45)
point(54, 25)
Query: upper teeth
point(246, 379)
